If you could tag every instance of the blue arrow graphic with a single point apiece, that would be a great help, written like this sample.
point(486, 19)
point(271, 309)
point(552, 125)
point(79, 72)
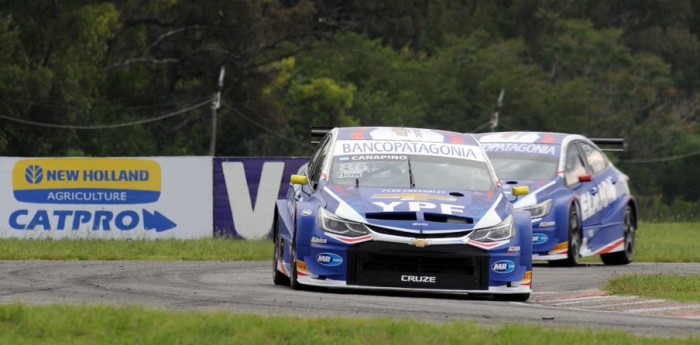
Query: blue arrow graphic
point(157, 221)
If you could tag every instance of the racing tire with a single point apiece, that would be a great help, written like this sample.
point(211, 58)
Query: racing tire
point(516, 297)
point(575, 239)
point(293, 275)
point(278, 277)
point(626, 256)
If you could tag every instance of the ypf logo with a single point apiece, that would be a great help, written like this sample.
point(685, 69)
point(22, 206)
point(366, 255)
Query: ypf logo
point(34, 174)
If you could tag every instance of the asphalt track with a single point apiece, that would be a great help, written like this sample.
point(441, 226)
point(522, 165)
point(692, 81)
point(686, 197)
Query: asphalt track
point(564, 298)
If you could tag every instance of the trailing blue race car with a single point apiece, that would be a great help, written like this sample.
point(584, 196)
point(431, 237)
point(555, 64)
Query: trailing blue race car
point(579, 202)
point(402, 209)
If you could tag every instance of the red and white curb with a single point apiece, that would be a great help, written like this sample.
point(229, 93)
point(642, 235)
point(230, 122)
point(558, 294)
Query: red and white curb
point(598, 300)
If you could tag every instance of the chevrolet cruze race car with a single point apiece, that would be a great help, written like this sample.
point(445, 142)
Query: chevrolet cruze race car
point(402, 209)
point(579, 202)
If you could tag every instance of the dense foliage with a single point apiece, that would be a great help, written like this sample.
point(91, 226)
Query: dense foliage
point(71, 71)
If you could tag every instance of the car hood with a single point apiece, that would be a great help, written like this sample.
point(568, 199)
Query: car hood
point(425, 210)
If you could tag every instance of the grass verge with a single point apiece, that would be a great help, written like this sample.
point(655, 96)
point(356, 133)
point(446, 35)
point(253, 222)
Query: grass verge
point(668, 242)
point(666, 286)
point(132, 325)
point(161, 250)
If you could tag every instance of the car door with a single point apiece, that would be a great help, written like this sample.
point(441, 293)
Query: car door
point(603, 191)
point(576, 169)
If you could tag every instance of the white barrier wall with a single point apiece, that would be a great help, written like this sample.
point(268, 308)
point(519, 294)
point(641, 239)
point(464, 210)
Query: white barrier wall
point(116, 198)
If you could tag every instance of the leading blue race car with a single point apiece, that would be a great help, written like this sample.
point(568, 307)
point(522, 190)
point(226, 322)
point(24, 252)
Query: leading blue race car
point(402, 209)
point(579, 201)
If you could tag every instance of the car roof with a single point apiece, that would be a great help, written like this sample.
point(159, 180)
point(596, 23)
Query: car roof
point(527, 137)
point(405, 134)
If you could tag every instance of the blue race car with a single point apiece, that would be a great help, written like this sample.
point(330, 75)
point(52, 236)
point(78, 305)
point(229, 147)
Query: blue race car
point(402, 209)
point(579, 202)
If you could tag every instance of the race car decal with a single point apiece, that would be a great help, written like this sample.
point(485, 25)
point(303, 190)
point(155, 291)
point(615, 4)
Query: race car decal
point(491, 217)
point(615, 246)
point(560, 248)
point(605, 194)
point(487, 245)
point(349, 240)
point(342, 209)
point(367, 147)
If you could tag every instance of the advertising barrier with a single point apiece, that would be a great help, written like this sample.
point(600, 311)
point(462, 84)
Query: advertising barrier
point(115, 198)
point(245, 191)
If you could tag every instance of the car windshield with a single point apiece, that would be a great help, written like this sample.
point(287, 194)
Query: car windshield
point(411, 171)
point(523, 167)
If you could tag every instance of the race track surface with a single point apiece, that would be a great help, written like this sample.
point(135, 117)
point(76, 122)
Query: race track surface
point(564, 297)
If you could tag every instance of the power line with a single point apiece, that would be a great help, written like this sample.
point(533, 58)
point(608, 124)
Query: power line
point(116, 125)
point(662, 159)
point(256, 124)
point(59, 105)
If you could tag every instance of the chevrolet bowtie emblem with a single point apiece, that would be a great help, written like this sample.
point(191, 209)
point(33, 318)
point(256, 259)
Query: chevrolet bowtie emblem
point(419, 242)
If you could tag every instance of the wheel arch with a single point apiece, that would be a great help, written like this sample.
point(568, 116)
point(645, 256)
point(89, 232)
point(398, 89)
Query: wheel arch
point(632, 203)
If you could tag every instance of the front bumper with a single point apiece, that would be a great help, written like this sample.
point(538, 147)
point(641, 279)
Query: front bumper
point(453, 268)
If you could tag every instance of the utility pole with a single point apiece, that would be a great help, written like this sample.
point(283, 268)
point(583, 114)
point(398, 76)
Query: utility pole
point(494, 119)
point(215, 105)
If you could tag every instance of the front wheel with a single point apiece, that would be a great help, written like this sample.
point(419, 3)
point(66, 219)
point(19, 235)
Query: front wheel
point(574, 247)
point(293, 276)
point(278, 277)
point(624, 257)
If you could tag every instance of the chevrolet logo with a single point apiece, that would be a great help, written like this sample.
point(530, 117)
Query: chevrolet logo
point(419, 242)
point(414, 197)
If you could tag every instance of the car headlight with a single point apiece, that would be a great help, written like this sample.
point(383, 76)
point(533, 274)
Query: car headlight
point(540, 210)
point(500, 232)
point(332, 223)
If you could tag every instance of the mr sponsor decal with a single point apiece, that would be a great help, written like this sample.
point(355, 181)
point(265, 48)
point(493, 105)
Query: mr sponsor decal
point(503, 266)
point(539, 238)
point(329, 259)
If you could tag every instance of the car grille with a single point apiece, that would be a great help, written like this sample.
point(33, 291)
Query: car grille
point(435, 267)
point(393, 232)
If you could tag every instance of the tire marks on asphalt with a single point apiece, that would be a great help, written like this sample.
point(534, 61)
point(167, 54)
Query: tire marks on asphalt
point(599, 300)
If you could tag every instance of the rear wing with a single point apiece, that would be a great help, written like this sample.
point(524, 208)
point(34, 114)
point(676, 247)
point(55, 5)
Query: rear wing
point(317, 133)
point(610, 144)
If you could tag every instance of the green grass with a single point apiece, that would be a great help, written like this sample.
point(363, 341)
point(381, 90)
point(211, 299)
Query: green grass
point(131, 325)
point(161, 250)
point(672, 287)
point(656, 242)
point(668, 242)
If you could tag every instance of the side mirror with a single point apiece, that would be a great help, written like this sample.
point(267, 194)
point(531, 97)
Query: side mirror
point(521, 190)
point(584, 178)
point(299, 179)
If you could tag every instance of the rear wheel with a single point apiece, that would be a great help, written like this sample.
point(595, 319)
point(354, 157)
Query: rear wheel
point(574, 248)
point(278, 277)
point(624, 257)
